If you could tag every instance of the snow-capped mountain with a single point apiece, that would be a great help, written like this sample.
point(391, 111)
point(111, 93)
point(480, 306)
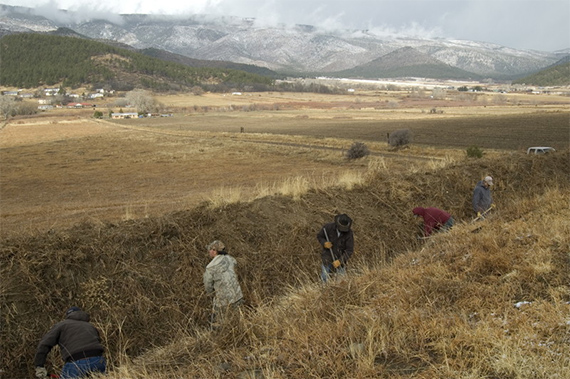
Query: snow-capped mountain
point(281, 48)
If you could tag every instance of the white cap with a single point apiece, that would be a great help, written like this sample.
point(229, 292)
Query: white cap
point(489, 180)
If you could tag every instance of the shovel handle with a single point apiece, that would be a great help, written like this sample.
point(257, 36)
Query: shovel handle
point(330, 249)
point(484, 213)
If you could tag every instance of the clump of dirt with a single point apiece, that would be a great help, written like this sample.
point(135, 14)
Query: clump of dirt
point(141, 280)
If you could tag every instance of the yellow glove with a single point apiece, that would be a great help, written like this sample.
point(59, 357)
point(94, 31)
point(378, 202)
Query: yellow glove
point(478, 214)
point(493, 205)
point(336, 263)
point(327, 245)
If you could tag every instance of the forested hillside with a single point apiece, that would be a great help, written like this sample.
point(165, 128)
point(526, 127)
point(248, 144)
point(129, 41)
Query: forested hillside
point(555, 75)
point(32, 60)
point(406, 62)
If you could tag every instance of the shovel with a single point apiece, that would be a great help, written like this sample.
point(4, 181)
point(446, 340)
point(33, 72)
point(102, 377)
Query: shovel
point(330, 248)
point(482, 215)
point(478, 228)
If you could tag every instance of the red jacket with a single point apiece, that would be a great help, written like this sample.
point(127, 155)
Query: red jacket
point(434, 218)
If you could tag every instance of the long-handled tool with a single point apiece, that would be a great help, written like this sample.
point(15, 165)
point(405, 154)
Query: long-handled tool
point(330, 248)
point(482, 215)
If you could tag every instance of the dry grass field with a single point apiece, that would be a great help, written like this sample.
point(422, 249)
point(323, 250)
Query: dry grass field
point(62, 167)
point(113, 216)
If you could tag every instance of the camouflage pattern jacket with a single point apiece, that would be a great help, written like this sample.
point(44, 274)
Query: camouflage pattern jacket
point(221, 279)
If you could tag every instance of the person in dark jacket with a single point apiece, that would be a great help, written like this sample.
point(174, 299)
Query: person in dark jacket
point(482, 199)
point(434, 219)
point(79, 344)
point(337, 241)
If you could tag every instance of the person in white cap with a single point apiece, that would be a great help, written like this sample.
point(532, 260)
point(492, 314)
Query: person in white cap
point(482, 199)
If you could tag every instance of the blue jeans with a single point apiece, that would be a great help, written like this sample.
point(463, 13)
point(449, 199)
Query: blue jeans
point(327, 270)
point(82, 367)
point(448, 225)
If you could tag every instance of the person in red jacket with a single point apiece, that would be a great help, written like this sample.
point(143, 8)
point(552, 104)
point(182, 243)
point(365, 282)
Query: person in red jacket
point(434, 219)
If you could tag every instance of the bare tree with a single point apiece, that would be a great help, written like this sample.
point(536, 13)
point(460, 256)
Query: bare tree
point(439, 93)
point(8, 106)
point(143, 101)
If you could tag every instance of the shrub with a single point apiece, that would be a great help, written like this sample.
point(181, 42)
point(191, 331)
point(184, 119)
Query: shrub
point(474, 152)
point(357, 150)
point(400, 137)
point(98, 114)
point(26, 109)
point(197, 91)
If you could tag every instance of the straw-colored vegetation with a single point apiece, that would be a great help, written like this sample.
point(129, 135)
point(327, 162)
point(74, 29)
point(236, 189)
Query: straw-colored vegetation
point(487, 300)
point(445, 308)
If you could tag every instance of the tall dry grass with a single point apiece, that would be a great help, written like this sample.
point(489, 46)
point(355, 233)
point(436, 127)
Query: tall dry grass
point(475, 302)
point(294, 187)
point(488, 305)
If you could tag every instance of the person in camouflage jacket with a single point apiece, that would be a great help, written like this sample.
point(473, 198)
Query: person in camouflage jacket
point(220, 278)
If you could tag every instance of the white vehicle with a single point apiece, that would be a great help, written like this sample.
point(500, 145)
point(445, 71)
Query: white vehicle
point(540, 150)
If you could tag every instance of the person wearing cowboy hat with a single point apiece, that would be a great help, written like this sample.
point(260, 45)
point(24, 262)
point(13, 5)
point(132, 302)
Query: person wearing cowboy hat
point(337, 241)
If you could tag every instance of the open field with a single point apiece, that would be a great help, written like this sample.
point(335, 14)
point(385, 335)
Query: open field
point(62, 167)
point(115, 173)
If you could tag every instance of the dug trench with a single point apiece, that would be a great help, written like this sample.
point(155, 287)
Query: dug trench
point(141, 280)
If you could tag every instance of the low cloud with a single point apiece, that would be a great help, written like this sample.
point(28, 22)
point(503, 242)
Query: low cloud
point(535, 24)
point(50, 10)
point(412, 30)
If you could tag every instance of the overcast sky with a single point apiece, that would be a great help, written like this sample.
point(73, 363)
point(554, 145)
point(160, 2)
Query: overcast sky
point(523, 24)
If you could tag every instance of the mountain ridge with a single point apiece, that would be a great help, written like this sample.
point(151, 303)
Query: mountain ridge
point(297, 49)
point(556, 74)
point(407, 61)
point(34, 59)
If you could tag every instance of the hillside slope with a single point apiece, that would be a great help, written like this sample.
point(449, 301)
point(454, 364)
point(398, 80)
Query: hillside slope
point(407, 62)
point(556, 75)
point(31, 60)
point(440, 309)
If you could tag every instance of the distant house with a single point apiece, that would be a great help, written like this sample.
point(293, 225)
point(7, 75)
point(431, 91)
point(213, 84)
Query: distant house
point(10, 93)
point(45, 107)
point(51, 91)
point(26, 95)
point(118, 116)
point(79, 105)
